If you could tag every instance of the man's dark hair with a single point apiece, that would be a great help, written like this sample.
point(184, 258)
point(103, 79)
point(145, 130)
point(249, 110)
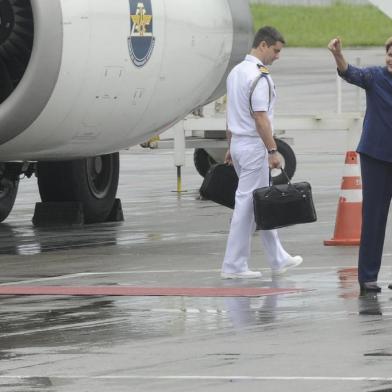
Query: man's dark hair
point(268, 34)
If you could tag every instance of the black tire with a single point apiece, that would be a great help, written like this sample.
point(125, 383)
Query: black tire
point(289, 163)
point(8, 192)
point(203, 161)
point(92, 181)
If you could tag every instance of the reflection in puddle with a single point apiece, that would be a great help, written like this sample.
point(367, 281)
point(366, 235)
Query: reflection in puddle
point(369, 305)
point(28, 249)
point(31, 241)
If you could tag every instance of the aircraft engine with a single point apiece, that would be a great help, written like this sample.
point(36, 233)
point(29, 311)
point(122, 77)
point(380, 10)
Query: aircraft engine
point(16, 43)
point(82, 79)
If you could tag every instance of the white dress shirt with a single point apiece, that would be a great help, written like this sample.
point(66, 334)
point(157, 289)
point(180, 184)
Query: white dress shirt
point(239, 83)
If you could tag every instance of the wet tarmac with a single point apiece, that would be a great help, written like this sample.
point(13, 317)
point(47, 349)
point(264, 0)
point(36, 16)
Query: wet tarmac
point(323, 337)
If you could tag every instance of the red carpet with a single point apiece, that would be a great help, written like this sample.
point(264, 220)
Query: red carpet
point(145, 291)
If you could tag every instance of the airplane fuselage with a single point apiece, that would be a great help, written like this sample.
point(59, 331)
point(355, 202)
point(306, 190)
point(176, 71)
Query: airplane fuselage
point(105, 75)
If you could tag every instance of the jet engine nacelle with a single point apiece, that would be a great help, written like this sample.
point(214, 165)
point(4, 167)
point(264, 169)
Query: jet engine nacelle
point(82, 78)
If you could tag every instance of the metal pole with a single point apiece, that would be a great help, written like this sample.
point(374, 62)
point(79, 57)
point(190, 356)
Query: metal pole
point(179, 152)
point(179, 181)
point(339, 94)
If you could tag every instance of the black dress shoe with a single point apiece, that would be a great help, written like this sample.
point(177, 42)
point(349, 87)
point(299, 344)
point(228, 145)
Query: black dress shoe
point(390, 286)
point(370, 287)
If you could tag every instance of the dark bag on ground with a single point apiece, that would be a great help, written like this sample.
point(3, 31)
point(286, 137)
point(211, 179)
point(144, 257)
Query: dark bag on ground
point(283, 205)
point(220, 185)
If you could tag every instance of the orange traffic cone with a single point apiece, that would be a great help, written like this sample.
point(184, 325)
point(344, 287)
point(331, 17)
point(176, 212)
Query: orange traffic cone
point(349, 215)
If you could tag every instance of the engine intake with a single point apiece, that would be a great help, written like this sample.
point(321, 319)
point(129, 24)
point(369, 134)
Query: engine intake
point(31, 43)
point(16, 43)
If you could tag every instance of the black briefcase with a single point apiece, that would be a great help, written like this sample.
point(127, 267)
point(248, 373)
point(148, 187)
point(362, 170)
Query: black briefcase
point(283, 205)
point(220, 185)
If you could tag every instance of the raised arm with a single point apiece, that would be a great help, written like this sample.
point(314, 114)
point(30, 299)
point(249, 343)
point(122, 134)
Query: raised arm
point(361, 77)
point(335, 46)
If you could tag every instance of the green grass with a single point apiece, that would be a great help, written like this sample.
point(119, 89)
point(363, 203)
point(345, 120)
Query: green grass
point(314, 26)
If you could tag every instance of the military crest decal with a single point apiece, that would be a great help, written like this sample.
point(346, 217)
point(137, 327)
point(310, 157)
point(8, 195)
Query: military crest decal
point(141, 41)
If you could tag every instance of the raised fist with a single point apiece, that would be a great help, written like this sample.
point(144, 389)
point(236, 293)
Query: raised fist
point(335, 46)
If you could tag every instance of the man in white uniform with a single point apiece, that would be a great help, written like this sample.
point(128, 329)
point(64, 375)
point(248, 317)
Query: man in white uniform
point(252, 151)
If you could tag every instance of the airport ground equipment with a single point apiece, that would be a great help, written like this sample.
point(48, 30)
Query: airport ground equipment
point(205, 132)
point(203, 161)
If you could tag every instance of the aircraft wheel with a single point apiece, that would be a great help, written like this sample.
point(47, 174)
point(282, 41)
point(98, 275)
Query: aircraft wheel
point(8, 192)
point(289, 163)
point(92, 181)
point(203, 161)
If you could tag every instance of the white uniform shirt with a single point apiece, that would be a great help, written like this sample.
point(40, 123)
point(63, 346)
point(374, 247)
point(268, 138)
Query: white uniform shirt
point(239, 83)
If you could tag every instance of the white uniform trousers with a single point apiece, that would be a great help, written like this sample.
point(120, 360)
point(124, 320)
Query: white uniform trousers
point(250, 160)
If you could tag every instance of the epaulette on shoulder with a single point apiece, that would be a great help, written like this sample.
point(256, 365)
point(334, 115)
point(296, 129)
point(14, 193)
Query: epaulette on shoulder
point(264, 70)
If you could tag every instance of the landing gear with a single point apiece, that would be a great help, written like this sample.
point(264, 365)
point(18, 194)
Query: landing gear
point(203, 161)
point(91, 181)
point(8, 190)
point(10, 173)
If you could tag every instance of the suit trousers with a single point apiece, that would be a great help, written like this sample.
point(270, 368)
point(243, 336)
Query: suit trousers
point(377, 193)
point(250, 160)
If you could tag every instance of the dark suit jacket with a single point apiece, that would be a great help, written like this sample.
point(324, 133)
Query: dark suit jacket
point(376, 139)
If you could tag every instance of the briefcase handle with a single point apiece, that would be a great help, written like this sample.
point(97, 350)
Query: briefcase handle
point(283, 192)
point(284, 173)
